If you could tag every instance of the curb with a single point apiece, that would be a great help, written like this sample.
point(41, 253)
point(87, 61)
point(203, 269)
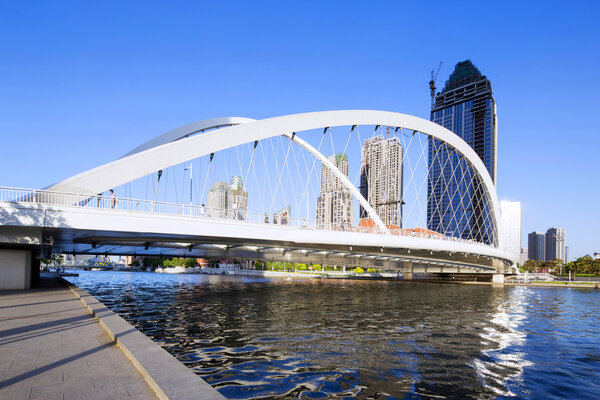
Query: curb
point(169, 378)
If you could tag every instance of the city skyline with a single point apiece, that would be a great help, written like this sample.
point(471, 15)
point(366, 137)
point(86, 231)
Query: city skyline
point(71, 84)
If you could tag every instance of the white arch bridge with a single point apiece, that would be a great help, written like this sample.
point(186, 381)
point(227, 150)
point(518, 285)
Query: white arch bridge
point(77, 215)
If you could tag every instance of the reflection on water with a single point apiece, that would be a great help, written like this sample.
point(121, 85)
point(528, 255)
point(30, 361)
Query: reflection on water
point(262, 338)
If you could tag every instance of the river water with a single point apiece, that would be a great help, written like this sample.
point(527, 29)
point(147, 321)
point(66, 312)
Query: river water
point(274, 338)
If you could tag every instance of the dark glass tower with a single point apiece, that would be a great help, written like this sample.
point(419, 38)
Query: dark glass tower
point(456, 201)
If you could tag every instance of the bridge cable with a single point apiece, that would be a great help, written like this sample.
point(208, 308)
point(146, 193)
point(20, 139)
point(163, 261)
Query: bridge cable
point(175, 185)
point(256, 181)
point(300, 179)
point(293, 189)
point(436, 148)
point(206, 179)
point(289, 174)
point(282, 171)
point(314, 162)
point(412, 169)
point(277, 169)
point(298, 149)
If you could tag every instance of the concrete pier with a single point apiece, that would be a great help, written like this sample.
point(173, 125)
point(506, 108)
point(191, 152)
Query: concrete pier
point(58, 342)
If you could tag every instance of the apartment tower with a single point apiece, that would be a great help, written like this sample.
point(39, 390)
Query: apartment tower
point(536, 244)
point(381, 178)
point(334, 205)
point(555, 244)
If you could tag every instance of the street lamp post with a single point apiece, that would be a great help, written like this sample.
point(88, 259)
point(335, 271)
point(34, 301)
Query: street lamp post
point(191, 171)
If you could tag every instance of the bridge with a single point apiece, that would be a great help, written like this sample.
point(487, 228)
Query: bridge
point(275, 158)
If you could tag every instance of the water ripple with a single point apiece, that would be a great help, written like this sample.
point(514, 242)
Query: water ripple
point(280, 339)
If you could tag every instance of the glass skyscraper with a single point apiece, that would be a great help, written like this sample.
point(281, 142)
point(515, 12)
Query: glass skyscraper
point(456, 201)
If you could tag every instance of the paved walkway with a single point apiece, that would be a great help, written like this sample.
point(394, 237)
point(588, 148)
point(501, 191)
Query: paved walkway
point(52, 348)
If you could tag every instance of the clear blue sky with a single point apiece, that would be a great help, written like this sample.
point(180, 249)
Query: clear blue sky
point(82, 83)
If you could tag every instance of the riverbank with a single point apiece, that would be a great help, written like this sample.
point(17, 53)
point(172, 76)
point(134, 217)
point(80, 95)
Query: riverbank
point(363, 276)
point(57, 341)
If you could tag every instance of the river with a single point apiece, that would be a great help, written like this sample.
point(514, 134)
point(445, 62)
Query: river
point(274, 338)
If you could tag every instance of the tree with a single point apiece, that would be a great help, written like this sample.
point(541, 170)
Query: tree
point(190, 263)
point(56, 259)
point(531, 266)
point(555, 265)
point(135, 263)
point(153, 262)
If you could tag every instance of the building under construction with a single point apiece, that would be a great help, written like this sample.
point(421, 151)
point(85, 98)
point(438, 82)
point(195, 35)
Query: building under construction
point(381, 178)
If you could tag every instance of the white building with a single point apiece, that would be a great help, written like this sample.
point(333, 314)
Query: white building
point(239, 198)
point(334, 205)
point(524, 256)
point(510, 228)
point(381, 178)
point(228, 201)
point(219, 200)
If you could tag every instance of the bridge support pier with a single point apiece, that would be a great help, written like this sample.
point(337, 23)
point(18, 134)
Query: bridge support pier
point(498, 278)
point(18, 269)
point(408, 271)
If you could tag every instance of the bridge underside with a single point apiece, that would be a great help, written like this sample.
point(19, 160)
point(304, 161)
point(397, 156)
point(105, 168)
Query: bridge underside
point(104, 242)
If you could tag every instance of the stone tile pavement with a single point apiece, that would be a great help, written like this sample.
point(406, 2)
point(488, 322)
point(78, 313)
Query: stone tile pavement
point(52, 348)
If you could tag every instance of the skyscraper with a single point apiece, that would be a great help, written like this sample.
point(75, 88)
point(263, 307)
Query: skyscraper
point(510, 228)
point(228, 201)
point(555, 244)
point(456, 203)
point(239, 198)
point(523, 258)
point(381, 178)
point(536, 245)
point(219, 200)
point(334, 205)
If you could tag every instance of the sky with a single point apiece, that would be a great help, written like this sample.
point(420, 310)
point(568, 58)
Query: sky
point(81, 83)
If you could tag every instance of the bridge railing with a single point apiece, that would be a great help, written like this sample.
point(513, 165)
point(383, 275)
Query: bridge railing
point(34, 196)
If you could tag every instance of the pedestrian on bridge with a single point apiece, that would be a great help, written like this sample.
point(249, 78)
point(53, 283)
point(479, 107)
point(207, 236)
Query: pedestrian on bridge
point(113, 199)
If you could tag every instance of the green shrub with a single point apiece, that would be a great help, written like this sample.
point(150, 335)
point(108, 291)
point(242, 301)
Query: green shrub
point(191, 263)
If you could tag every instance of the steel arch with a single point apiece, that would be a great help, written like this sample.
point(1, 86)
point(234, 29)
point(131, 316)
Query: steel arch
point(165, 154)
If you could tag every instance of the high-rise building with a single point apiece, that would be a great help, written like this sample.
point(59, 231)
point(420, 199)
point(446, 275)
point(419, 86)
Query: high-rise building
point(457, 205)
point(228, 201)
point(555, 244)
point(510, 228)
point(524, 257)
point(334, 205)
point(219, 200)
point(381, 178)
point(239, 198)
point(536, 242)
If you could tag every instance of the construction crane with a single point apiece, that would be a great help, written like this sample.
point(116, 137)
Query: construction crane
point(432, 83)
